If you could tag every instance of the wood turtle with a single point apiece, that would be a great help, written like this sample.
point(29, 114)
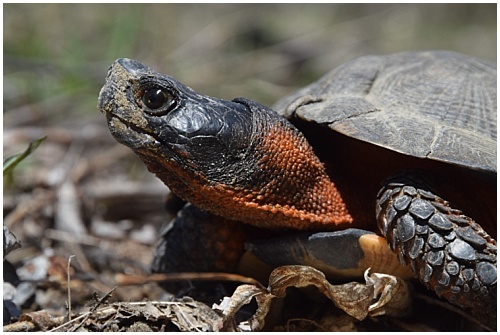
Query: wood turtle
point(405, 141)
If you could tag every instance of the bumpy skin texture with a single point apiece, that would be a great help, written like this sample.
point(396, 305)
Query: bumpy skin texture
point(240, 160)
point(447, 250)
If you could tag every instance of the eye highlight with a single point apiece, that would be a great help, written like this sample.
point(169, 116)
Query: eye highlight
point(157, 100)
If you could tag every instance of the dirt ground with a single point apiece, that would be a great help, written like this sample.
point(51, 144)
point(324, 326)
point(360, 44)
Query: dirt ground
point(84, 208)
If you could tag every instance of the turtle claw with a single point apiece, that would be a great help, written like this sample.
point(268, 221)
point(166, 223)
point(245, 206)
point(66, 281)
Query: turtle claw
point(448, 252)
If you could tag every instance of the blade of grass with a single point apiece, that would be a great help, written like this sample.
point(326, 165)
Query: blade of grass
point(11, 162)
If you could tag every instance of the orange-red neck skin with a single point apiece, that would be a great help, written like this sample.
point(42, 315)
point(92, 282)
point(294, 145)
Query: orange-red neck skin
point(289, 186)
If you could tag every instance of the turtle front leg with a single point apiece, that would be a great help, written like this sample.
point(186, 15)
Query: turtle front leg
point(448, 252)
point(196, 241)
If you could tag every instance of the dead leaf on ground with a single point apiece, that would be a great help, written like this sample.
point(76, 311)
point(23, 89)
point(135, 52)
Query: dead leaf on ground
point(181, 315)
point(382, 294)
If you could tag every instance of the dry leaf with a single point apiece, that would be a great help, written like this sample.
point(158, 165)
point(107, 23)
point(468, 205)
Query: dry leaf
point(40, 319)
point(10, 241)
point(356, 299)
point(393, 292)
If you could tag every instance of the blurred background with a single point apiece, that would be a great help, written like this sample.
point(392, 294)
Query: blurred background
point(55, 58)
point(56, 55)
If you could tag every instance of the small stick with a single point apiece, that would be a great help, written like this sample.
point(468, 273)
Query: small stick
point(95, 307)
point(69, 287)
point(122, 279)
point(84, 317)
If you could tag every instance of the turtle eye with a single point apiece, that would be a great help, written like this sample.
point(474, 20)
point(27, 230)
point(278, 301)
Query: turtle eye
point(158, 100)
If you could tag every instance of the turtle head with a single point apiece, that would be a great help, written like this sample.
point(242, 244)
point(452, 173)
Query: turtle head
point(155, 115)
point(237, 159)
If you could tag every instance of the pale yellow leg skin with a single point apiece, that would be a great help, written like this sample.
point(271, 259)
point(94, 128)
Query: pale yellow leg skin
point(380, 258)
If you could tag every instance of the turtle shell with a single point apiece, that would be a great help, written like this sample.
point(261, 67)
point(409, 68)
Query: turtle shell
point(437, 105)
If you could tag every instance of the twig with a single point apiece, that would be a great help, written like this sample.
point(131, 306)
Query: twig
point(122, 279)
point(95, 307)
point(69, 286)
point(86, 315)
point(70, 322)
